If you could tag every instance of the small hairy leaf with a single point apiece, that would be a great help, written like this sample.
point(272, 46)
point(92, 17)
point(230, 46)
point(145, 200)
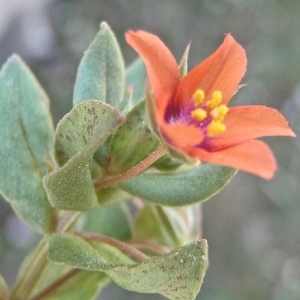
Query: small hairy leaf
point(26, 144)
point(79, 134)
point(177, 275)
point(182, 187)
point(101, 73)
point(86, 254)
point(132, 142)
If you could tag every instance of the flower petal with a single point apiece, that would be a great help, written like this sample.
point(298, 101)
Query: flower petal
point(253, 156)
point(223, 71)
point(248, 122)
point(161, 66)
point(181, 136)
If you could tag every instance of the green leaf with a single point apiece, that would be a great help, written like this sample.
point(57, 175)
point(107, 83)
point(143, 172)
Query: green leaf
point(113, 221)
point(26, 144)
point(136, 76)
point(78, 136)
point(3, 289)
point(101, 73)
point(183, 65)
point(180, 188)
point(132, 142)
point(85, 253)
point(69, 283)
point(177, 275)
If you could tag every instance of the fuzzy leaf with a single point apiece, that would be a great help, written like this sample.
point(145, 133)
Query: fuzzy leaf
point(136, 77)
point(26, 144)
point(78, 136)
point(132, 142)
point(177, 275)
point(101, 73)
point(180, 188)
point(85, 253)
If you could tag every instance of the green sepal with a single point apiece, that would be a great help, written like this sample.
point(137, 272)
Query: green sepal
point(86, 253)
point(136, 77)
point(183, 65)
point(177, 274)
point(26, 144)
point(3, 289)
point(182, 187)
point(101, 73)
point(132, 142)
point(79, 134)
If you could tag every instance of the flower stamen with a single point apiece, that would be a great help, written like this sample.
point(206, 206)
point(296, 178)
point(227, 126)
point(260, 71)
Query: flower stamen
point(212, 112)
point(216, 99)
point(215, 127)
point(219, 112)
point(198, 97)
point(199, 114)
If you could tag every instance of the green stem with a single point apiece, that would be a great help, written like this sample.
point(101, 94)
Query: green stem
point(101, 183)
point(31, 272)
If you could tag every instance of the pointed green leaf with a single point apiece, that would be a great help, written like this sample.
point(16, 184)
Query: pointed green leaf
point(101, 73)
point(183, 65)
point(69, 283)
point(3, 289)
point(78, 136)
point(132, 142)
point(136, 77)
point(85, 253)
point(177, 275)
point(26, 143)
point(180, 188)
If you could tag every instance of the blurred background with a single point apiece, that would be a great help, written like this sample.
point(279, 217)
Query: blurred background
point(252, 226)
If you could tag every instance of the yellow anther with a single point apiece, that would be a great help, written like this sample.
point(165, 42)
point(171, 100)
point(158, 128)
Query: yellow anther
point(199, 114)
point(198, 97)
point(216, 99)
point(219, 112)
point(215, 127)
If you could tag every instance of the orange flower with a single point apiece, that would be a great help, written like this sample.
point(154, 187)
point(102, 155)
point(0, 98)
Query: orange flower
point(191, 116)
